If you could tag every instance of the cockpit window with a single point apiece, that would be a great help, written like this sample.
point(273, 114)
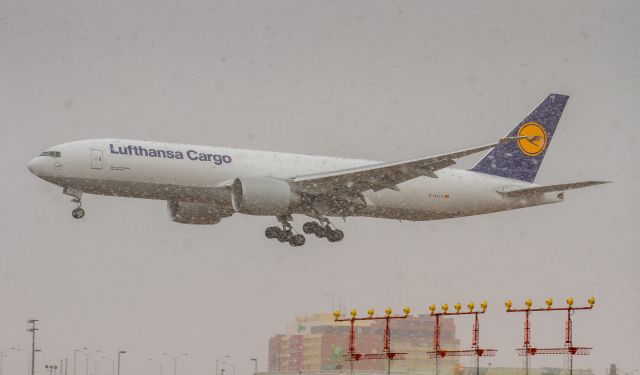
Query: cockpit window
point(53, 154)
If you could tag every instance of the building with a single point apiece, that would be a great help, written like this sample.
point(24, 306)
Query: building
point(317, 343)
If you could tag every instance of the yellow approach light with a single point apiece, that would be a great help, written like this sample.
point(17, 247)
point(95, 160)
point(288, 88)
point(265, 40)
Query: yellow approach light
point(484, 305)
point(549, 302)
point(336, 314)
point(388, 311)
point(445, 307)
point(370, 312)
point(407, 310)
point(457, 306)
point(354, 312)
point(471, 306)
point(570, 301)
point(592, 301)
point(432, 308)
point(528, 302)
point(508, 304)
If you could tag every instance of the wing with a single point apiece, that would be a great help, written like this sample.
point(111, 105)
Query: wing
point(550, 188)
point(381, 176)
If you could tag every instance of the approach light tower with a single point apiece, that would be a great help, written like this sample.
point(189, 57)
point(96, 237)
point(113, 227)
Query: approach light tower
point(175, 360)
point(386, 351)
point(475, 345)
point(527, 350)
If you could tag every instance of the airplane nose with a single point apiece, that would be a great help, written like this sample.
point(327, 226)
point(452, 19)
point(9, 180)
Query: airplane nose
point(33, 166)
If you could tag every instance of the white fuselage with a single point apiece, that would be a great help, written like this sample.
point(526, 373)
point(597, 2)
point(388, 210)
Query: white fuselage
point(192, 173)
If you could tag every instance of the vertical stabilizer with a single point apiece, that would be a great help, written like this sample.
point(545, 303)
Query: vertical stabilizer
point(521, 160)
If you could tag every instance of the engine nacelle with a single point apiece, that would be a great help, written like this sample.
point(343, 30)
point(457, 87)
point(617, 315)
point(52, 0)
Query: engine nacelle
point(262, 196)
point(197, 213)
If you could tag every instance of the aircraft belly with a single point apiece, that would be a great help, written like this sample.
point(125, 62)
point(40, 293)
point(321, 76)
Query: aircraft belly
point(147, 190)
point(427, 198)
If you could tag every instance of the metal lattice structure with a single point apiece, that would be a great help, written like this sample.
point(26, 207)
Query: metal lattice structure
point(387, 354)
point(475, 350)
point(569, 349)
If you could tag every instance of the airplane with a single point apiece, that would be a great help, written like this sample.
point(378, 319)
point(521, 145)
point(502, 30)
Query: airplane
point(203, 184)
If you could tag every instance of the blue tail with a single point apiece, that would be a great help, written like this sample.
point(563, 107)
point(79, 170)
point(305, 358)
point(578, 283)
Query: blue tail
point(521, 159)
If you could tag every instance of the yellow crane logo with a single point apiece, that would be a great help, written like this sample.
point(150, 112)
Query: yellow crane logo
point(535, 141)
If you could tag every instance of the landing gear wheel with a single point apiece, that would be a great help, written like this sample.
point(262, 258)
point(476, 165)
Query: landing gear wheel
point(287, 233)
point(335, 235)
point(77, 213)
point(272, 232)
point(284, 236)
point(321, 232)
point(297, 240)
point(310, 227)
point(323, 228)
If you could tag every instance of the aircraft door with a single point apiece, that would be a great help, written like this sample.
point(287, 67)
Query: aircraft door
point(96, 159)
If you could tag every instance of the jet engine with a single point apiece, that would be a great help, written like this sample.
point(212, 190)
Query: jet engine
point(197, 213)
point(262, 196)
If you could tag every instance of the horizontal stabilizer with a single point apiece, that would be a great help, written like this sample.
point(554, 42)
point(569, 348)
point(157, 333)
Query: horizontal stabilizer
point(550, 188)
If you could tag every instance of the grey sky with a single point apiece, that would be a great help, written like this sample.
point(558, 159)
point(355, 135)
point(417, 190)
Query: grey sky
point(367, 79)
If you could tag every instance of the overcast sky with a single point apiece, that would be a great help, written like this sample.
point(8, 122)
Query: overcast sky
point(380, 80)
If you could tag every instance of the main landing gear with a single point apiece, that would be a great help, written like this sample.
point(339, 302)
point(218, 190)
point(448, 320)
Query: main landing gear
point(326, 230)
point(78, 212)
point(322, 229)
point(286, 233)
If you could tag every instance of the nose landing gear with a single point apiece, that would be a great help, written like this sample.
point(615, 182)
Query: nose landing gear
point(78, 212)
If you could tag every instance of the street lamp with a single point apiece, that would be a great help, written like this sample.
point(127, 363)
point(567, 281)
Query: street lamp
point(75, 353)
point(233, 368)
point(255, 362)
point(175, 360)
point(119, 354)
point(27, 356)
point(63, 365)
point(158, 362)
point(113, 364)
point(88, 357)
point(52, 369)
point(218, 360)
point(3, 355)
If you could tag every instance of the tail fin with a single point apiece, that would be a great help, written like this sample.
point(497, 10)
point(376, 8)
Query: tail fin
point(521, 160)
